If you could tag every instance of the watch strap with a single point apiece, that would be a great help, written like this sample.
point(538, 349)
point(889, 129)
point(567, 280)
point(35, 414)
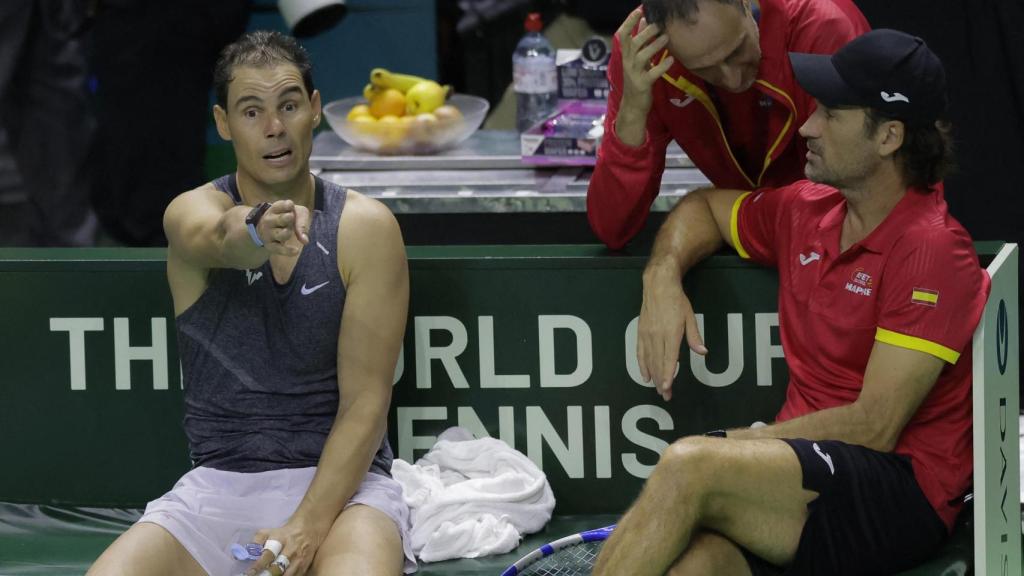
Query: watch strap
point(253, 219)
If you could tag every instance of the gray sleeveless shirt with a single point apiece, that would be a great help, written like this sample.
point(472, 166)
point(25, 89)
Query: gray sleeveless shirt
point(260, 358)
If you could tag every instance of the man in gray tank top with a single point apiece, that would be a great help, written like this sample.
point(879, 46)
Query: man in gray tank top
point(290, 296)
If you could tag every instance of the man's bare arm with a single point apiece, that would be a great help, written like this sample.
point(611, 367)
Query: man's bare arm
point(373, 266)
point(695, 229)
point(896, 381)
point(205, 228)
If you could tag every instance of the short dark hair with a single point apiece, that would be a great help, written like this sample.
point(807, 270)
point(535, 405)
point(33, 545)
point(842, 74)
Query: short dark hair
point(659, 12)
point(260, 49)
point(926, 154)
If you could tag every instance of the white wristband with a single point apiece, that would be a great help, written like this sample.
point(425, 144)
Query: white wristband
point(274, 546)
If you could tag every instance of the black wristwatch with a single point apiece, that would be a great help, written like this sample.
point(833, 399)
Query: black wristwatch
point(253, 219)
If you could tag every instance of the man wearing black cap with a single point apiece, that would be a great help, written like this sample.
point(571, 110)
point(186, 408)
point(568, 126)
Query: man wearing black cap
point(880, 292)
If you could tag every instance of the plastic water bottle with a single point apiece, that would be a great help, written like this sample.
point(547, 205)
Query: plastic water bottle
point(535, 80)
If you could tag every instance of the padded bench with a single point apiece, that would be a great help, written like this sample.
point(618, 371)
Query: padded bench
point(531, 344)
point(50, 540)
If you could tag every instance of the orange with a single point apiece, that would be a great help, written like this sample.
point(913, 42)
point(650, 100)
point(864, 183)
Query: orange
point(358, 110)
point(364, 124)
point(390, 133)
point(388, 102)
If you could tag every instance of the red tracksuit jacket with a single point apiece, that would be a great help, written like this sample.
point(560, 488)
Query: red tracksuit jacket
point(742, 141)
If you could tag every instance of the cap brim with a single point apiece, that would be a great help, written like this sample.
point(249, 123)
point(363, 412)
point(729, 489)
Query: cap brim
point(818, 76)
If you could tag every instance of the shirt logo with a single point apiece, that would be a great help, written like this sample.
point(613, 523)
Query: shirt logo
point(681, 103)
point(307, 291)
point(765, 102)
point(805, 260)
point(827, 458)
point(860, 283)
point(251, 276)
point(924, 297)
point(894, 97)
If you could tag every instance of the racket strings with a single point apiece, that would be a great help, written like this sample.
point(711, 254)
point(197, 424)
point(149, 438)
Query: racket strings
point(575, 560)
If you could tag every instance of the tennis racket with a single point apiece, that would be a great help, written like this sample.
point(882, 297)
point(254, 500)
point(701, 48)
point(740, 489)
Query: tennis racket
point(573, 555)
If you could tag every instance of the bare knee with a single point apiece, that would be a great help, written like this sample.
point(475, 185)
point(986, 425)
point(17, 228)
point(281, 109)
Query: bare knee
point(363, 540)
point(710, 554)
point(687, 465)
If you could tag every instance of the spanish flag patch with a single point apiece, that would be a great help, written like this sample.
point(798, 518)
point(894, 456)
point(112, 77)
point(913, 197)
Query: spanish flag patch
point(925, 297)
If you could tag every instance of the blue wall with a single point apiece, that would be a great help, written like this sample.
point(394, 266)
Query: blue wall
point(400, 35)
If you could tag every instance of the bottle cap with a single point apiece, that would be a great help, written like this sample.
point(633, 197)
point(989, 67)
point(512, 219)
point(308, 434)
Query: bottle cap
point(533, 22)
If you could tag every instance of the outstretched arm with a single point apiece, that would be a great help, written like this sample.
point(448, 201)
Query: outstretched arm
point(695, 229)
point(206, 230)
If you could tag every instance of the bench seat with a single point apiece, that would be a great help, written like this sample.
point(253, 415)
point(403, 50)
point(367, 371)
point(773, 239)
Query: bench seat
point(47, 540)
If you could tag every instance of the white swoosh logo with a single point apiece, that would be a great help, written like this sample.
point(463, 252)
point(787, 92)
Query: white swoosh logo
point(894, 97)
point(826, 458)
point(308, 291)
point(805, 260)
point(680, 103)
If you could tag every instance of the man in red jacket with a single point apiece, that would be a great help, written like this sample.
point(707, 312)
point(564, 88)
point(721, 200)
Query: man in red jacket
point(714, 76)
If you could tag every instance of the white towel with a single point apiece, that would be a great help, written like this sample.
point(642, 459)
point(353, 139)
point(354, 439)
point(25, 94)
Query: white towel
point(470, 498)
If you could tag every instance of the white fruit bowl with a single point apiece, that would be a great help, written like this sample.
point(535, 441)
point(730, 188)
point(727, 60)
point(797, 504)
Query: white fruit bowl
point(409, 137)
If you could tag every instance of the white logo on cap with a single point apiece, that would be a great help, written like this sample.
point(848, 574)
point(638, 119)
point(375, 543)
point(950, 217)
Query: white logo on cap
point(894, 97)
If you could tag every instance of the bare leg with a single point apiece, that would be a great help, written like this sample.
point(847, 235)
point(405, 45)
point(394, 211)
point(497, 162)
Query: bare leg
point(711, 554)
point(146, 548)
point(750, 491)
point(363, 540)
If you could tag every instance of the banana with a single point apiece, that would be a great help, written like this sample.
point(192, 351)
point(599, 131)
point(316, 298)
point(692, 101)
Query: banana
point(370, 90)
point(387, 79)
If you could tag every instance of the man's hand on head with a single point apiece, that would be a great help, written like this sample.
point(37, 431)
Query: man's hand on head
point(638, 72)
point(284, 221)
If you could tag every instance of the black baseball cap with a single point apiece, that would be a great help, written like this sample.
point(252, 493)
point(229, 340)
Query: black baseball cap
point(887, 70)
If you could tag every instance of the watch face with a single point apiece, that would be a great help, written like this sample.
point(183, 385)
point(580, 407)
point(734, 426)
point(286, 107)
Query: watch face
point(256, 213)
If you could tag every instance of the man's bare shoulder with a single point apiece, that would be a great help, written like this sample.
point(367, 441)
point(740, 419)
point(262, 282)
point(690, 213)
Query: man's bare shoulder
point(367, 232)
point(366, 217)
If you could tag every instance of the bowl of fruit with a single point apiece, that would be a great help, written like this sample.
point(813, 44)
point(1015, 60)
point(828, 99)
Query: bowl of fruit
point(405, 114)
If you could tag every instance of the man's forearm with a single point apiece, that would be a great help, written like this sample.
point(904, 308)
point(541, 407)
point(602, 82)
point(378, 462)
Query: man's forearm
point(687, 236)
point(851, 424)
point(236, 248)
point(348, 452)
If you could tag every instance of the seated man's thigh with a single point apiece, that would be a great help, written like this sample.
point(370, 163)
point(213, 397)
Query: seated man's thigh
point(711, 554)
point(363, 540)
point(871, 517)
point(146, 548)
point(753, 494)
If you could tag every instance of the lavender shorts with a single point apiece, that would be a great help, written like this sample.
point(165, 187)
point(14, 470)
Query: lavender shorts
point(208, 510)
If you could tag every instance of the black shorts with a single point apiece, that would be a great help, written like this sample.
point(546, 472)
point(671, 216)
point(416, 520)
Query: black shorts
point(870, 517)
